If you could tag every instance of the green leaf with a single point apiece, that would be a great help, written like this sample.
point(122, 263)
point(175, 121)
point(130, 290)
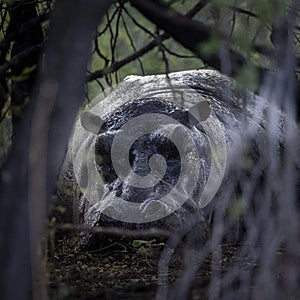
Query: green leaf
point(25, 74)
point(138, 243)
point(248, 77)
point(238, 208)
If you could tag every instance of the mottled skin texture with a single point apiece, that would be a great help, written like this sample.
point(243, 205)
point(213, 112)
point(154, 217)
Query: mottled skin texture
point(140, 95)
point(144, 147)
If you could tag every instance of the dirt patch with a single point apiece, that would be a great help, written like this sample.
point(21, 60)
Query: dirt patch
point(123, 268)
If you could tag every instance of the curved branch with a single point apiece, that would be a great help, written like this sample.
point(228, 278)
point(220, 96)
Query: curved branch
point(19, 57)
point(11, 37)
point(119, 64)
point(112, 230)
point(189, 33)
point(137, 54)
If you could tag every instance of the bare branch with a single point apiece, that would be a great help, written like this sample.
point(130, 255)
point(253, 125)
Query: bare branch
point(112, 230)
point(188, 33)
point(40, 19)
point(132, 44)
point(16, 59)
point(137, 54)
point(119, 64)
point(242, 11)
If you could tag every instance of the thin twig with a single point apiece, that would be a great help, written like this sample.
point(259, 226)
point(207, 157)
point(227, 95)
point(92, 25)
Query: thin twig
point(119, 64)
point(40, 19)
point(132, 44)
point(177, 54)
point(243, 11)
point(16, 59)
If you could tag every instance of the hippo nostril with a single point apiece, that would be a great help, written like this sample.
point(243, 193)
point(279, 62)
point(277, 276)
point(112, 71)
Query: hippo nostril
point(140, 164)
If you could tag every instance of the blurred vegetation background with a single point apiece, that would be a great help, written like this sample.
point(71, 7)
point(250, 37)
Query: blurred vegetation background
point(128, 43)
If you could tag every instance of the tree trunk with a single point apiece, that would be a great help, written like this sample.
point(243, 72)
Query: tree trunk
point(29, 174)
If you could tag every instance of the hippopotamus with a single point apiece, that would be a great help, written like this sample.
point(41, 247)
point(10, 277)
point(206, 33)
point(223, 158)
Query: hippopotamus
point(159, 148)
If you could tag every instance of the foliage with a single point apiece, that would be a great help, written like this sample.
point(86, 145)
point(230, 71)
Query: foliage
point(254, 41)
point(126, 31)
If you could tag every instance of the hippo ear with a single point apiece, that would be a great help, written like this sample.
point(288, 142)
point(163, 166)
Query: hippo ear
point(90, 122)
point(200, 111)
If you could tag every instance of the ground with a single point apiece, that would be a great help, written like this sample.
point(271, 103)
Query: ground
point(125, 268)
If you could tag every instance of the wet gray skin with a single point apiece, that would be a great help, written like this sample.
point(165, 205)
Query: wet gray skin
point(146, 146)
point(205, 102)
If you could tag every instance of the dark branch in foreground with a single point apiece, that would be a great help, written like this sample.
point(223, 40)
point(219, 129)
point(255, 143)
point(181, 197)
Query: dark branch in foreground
point(112, 230)
point(139, 53)
point(39, 20)
point(29, 174)
point(119, 64)
point(189, 33)
point(16, 59)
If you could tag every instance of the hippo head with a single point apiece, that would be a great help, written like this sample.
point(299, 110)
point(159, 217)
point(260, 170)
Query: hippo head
point(145, 149)
point(156, 143)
